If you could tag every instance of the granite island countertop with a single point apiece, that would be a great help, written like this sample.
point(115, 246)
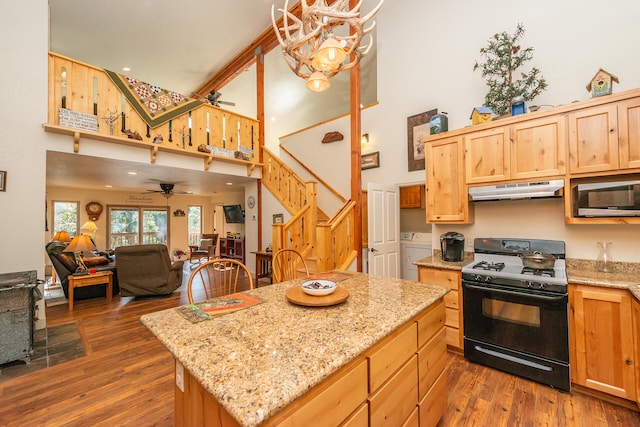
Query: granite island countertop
point(257, 361)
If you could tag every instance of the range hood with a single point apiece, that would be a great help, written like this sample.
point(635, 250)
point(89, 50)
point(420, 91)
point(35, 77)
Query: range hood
point(520, 190)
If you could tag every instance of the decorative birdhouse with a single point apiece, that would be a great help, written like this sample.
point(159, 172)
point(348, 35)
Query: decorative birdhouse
point(601, 83)
point(481, 115)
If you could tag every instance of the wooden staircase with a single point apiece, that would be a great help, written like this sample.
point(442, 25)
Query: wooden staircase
point(326, 243)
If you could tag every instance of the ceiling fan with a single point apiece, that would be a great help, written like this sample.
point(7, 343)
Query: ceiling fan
point(167, 190)
point(213, 98)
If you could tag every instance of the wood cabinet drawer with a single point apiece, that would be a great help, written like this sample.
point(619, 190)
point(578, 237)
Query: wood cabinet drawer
point(414, 419)
point(334, 403)
point(441, 277)
point(431, 323)
point(452, 317)
point(451, 300)
point(360, 418)
point(432, 360)
point(434, 403)
point(392, 404)
point(453, 336)
point(384, 361)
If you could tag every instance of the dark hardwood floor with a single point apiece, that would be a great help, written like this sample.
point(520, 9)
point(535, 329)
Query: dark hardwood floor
point(126, 379)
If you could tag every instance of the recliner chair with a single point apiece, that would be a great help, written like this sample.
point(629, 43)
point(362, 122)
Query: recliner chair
point(146, 270)
point(65, 264)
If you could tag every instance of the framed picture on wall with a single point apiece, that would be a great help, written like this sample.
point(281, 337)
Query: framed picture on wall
point(417, 129)
point(278, 218)
point(370, 160)
point(3, 180)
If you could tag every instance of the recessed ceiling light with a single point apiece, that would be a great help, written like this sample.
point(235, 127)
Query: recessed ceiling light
point(109, 186)
point(132, 173)
point(126, 69)
point(229, 183)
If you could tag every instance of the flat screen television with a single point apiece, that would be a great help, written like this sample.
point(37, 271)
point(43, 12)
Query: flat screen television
point(233, 214)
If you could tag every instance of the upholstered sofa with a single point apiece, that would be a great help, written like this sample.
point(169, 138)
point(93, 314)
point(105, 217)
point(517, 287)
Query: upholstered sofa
point(146, 270)
point(65, 264)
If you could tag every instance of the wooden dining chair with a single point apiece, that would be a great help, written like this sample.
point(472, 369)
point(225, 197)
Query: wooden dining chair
point(216, 278)
point(288, 264)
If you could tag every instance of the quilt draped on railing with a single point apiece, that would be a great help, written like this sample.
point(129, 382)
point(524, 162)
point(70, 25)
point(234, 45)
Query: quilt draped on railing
point(154, 104)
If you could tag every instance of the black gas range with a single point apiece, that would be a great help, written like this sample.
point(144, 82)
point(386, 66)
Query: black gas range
point(499, 261)
point(516, 317)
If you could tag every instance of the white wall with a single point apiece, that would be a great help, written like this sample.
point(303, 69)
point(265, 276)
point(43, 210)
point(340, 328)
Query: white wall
point(24, 31)
point(571, 42)
point(426, 52)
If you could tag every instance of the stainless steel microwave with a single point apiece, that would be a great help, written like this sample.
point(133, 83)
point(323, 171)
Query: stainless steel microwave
point(604, 199)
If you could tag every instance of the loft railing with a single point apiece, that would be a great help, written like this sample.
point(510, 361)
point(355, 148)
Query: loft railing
point(92, 96)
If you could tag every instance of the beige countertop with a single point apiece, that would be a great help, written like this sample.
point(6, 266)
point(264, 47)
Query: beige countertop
point(258, 360)
point(436, 261)
point(624, 275)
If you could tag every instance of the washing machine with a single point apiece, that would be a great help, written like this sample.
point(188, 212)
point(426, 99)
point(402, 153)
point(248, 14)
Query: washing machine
point(414, 247)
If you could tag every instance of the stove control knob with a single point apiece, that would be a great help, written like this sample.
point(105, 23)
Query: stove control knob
point(477, 278)
point(542, 285)
point(529, 284)
point(487, 279)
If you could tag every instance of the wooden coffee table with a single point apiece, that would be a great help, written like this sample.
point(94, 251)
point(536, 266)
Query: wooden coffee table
point(99, 278)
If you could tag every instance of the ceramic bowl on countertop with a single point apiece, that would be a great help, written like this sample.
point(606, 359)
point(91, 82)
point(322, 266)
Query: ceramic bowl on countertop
point(318, 287)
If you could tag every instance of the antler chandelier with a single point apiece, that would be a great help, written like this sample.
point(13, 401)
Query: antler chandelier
point(310, 46)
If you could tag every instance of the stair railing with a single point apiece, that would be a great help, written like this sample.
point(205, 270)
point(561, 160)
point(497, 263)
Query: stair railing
point(285, 184)
point(299, 232)
point(335, 240)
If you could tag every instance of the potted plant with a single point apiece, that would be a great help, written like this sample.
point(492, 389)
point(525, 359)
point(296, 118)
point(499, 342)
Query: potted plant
point(504, 56)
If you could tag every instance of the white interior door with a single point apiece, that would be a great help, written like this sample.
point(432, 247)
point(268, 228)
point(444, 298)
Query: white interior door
point(384, 230)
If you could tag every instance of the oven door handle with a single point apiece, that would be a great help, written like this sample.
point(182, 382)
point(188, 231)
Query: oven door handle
point(508, 292)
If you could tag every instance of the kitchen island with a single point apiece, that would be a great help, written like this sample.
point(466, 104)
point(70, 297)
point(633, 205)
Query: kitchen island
point(379, 355)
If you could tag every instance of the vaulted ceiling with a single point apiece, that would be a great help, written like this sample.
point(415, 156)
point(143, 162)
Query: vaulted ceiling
point(177, 45)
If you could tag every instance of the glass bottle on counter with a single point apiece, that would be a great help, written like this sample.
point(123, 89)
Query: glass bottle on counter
point(604, 261)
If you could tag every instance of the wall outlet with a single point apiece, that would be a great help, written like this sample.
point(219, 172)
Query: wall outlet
point(180, 376)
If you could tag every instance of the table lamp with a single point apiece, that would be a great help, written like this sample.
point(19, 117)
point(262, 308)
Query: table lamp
point(90, 228)
point(77, 246)
point(61, 236)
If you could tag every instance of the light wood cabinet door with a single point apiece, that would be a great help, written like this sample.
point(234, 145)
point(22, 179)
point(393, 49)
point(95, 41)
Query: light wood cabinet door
point(602, 340)
point(538, 148)
point(487, 155)
point(593, 139)
point(629, 133)
point(447, 199)
point(635, 306)
point(411, 197)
